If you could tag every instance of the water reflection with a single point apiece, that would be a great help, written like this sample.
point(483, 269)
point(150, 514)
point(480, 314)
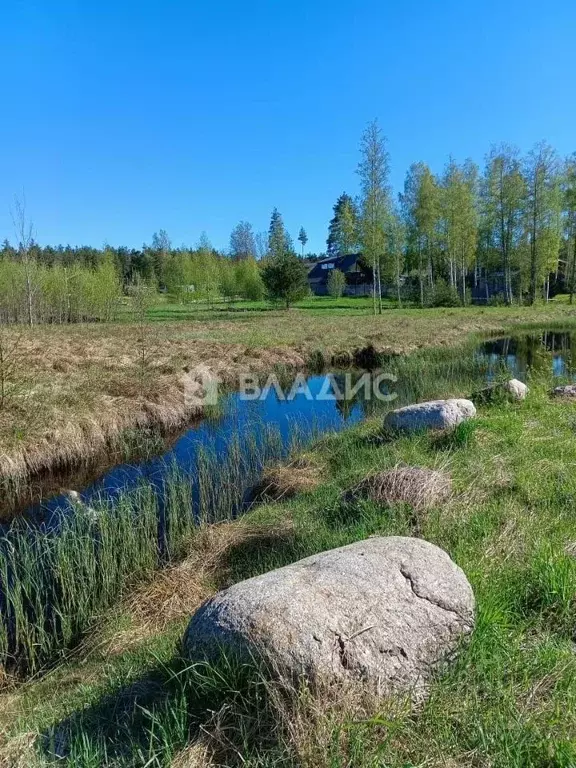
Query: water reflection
point(306, 416)
point(544, 352)
point(298, 419)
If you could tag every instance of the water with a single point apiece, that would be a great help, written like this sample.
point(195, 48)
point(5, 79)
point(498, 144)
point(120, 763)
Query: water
point(543, 352)
point(290, 420)
point(302, 418)
point(60, 567)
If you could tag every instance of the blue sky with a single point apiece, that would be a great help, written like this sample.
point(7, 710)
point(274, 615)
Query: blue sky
point(119, 118)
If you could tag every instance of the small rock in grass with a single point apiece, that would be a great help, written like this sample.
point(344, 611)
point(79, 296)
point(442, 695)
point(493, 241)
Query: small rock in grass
point(506, 390)
point(568, 390)
point(385, 611)
point(516, 389)
point(434, 414)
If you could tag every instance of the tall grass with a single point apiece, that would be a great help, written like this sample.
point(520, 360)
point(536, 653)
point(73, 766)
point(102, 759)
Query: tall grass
point(58, 577)
point(508, 700)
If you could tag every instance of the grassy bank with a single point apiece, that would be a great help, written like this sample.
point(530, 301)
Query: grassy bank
point(74, 392)
point(125, 699)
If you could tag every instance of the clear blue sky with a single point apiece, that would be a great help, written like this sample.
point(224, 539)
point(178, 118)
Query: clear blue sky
point(121, 117)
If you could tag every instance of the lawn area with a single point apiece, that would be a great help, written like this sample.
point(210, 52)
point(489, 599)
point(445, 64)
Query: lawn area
point(73, 391)
point(509, 700)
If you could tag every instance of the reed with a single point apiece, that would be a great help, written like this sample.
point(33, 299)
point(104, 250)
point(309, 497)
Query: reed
point(56, 579)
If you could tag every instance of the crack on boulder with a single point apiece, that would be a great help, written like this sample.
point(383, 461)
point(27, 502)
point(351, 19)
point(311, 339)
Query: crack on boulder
point(396, 651)
point(439, 603)
point(342, 652)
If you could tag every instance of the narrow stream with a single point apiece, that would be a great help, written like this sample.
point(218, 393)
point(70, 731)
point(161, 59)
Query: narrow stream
point(306, 415)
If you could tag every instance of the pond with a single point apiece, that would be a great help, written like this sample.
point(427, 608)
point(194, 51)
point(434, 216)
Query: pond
point(289, 413)
point(542, 352)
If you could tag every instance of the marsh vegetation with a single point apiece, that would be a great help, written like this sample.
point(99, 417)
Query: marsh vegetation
point(507, 522)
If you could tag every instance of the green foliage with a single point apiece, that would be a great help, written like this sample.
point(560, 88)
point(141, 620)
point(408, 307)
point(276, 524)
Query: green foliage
point(60, 294)
point(279, 241)
point(285, 278)
point(336, 283)
point(302, 238)
point(374, 170)
point(343, 230)
point(543, 208)
point(248, 280)
point(441, 294)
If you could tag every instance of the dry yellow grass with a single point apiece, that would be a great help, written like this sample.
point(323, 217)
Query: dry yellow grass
point(419, 487)
point(78, 388)
point(286, 480)
point(174, 593)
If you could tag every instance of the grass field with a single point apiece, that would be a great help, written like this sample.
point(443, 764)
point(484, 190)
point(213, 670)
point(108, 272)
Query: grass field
point(124, 698)
point(74, 391)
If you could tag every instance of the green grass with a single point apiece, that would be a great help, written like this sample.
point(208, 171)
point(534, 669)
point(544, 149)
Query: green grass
point(57, 579)
point(508, 700)
point(164, 308)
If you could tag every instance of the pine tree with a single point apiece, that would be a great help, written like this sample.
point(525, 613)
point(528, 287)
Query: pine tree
point(303, 238)
point(343, 235)
point(279, 241)
point(286, 278)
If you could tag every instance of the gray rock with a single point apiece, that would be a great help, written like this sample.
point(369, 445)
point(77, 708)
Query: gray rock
point(79, 505)
point(434, 414)
point(568, 390)
point(516, 389)
point(506, 390)
point(384, 611)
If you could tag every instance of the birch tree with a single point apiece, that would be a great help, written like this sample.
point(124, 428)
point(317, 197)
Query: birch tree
point(374, 169)
point(503, 198)
point(420, 204)
point(543, 205)
point(570, 207)
point(24, 230)
point(460, 221)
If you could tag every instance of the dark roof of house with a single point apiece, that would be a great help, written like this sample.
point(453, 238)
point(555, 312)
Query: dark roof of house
point(343, 263)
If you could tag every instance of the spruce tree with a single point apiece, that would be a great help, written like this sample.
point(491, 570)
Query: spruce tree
point(279, 241)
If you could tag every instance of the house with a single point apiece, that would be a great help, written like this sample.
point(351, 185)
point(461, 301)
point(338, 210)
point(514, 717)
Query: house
point(358, 275)
point(487, 285)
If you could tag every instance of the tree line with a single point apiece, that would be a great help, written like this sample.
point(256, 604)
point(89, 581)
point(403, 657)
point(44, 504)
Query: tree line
point(45, 284)
point(514, 220)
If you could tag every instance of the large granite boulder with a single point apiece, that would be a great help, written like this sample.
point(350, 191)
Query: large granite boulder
point(384, 611)
point(434, 414)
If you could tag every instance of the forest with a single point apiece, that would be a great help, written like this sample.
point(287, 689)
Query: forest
point(512, 222)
